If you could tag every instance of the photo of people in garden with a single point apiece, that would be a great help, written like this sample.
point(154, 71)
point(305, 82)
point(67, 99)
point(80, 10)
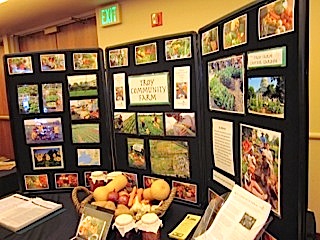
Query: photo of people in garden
point(260, 164)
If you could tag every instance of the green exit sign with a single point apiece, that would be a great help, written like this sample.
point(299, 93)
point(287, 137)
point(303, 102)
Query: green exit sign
point(110, 15)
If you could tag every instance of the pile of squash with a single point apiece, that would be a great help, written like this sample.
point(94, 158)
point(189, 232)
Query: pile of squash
point(135, 201)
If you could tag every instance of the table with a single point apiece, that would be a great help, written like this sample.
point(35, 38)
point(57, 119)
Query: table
point(64, 225)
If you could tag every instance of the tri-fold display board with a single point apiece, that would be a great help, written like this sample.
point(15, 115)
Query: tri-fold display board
point(227, 105)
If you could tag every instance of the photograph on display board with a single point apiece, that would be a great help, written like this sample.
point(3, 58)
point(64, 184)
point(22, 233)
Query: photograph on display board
point(132, 180)
point(170, 158)
point(185, 191)
point(52, 97)
point(146, 53)
point(267, 236)
point(36, 182)
point(276, 18)
point(147, 181)
point(86, 133)
point(82, 85)
point(28, 98)
point(180, 124)
point(90, 227)
point(88, 157)
point(136, 153)
point(226, 84)
point(49, 157)
point(84, 109)
point(119, 90)
point(66, 180)
point(210, 41)
point(52, 62)
point(235, 32)
point(266, 96)
point(150, 124)
point(43, 130)
point(181, 78)
point(178, 48)
point(260, 164)
point(85, 61)
point(125, 122)
point(87, 176)
point(118, 57)
point(19, 65)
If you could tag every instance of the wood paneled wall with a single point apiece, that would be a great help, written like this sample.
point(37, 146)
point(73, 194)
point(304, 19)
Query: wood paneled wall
point(81, 34)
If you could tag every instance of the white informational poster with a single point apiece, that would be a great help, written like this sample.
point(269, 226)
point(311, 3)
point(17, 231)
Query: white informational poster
point(222, 179)
point(119, 91)
point(222, 135)
point(181, 77)
point(241, 217)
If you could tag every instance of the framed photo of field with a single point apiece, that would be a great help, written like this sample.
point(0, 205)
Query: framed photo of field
point(125, 122)
point(150, 124)
point(28, 98)
point(43, 130)
point(178, 48)
point(36, 182)
point(146, 53)
point(82, 85)
point(170, 158)
point(86, 133)
point(48, 157)
point(66, 180)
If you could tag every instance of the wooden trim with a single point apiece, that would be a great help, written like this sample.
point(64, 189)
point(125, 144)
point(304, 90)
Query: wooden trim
point(4, 117)
point(314, 135)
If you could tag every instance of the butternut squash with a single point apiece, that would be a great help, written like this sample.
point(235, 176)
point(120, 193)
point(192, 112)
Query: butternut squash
point(118, 183)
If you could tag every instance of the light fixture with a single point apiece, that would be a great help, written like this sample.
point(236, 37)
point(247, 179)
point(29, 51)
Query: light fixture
point(3, 1)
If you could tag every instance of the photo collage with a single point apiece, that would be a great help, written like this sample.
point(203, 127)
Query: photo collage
point(46, 103)
point(164, 135)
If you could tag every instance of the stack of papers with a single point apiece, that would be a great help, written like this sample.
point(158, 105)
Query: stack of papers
point(18, 211)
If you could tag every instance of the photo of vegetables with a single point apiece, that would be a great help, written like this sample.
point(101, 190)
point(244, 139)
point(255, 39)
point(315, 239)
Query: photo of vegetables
point(170, 158)
point(52, 97)
point(90, 227)
point(118, 57)
point(85, 133)
point(150, 124)
point(185, 191)
point(136, 153)
point(146, 53)
point(52, 62)
point(210, 41)
point(276, 18)
point(266, 96)
point(82, 85)
point(226, 84)
point(28, 98)
point(85, 61)
point(66, 180)
point(260, 163)
point(235, 32)
point(19, 65)
point(84, 109)
point(125, 122)
point(178, 48)
point(36, 182)
point(47, 157)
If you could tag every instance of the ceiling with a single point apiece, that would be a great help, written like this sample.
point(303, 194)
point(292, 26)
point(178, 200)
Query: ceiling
point(18, 16)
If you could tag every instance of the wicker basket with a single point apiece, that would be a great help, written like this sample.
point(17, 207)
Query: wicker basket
point(79, 205)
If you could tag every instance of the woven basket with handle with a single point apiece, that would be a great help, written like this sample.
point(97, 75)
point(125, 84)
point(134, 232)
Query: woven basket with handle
point(79, 205)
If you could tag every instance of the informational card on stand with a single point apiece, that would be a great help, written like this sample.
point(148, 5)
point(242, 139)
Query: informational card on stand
point(241, 217)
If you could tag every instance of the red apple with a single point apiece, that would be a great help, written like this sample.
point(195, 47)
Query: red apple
point(113, 196)
point(124, 199)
